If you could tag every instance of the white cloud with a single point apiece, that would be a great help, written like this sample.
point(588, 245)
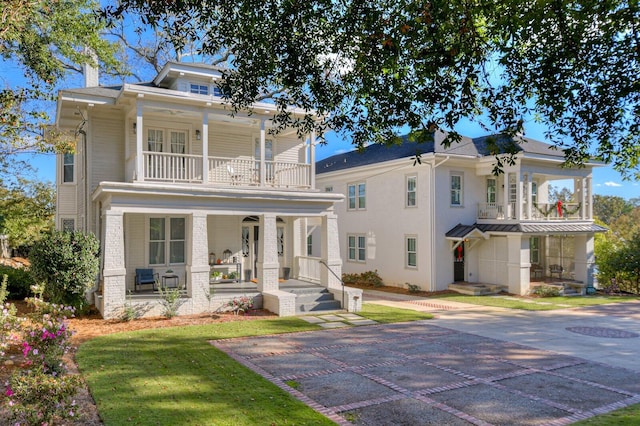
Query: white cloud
point(612, 184)
point(598, 184)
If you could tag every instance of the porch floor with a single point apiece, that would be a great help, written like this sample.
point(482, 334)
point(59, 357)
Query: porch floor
point(251, 287)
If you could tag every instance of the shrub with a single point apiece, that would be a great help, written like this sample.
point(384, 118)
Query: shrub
point(170, 300)
point(9, 322)
point(240, 304)
point(369, 279)
point(38, 398)
point(413, 288)
point(19, 282)
point(67, 263)
point(546, 291)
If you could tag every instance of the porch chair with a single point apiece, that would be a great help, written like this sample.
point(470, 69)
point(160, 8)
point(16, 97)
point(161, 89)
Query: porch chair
point(146, 276)
point(235, 177)
point(556, 269)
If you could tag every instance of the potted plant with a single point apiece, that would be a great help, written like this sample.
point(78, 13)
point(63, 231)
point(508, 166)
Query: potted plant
point(216, 275)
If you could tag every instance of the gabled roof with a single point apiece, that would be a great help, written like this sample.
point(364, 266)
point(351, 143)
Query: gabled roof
point(485, 146)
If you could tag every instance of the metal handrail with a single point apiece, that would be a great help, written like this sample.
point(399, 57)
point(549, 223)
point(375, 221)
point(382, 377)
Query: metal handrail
point(339, 279)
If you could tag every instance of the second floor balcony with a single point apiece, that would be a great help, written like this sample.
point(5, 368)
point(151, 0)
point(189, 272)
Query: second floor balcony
point(188, 168)
point(556, 211)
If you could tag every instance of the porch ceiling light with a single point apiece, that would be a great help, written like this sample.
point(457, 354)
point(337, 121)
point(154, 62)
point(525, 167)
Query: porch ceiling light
point(134, 128)
point(198, 135)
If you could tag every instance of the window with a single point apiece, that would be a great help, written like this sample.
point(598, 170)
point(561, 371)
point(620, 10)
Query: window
point(268, 149)
point(68, 225)
point(155, 139)
point(245, 241)
point(456, 189)
point(411, 191)
point(309, 245)
point(280, 241)
point(357, 194)
point(534, 193)
point(356, 248)
point(412, 252)
point(199, 89)
point(217, 91)
point(534, 250)
point(68, 161)
point(162, 248)
point(491, 190)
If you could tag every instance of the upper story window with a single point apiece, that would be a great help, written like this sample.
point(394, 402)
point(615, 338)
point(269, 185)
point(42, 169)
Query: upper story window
point(456, 189)
point(155, 139)
point(199, 89)
point(412, 182)
point(356, 248)
point(68, 165)
point(268, 149)
point(357, 194)
point(217, 91)
point(491, 190)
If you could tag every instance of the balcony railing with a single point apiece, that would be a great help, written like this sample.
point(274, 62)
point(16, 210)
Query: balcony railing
point(539, 211)
point(167, 167)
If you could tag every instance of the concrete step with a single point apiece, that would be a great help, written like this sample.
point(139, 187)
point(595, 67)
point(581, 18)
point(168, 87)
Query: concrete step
point(475, 289)
point(313, 297)
point(321, 306)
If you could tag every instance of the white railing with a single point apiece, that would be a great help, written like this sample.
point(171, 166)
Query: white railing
point(233, 171)
point(308, 268)
point(172, 167)
point(540, 211)
point(282, 174)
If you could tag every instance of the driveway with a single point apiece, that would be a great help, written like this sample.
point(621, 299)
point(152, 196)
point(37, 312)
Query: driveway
point(469, 366)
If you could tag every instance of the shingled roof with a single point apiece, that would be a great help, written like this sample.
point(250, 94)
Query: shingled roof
point(470, 147)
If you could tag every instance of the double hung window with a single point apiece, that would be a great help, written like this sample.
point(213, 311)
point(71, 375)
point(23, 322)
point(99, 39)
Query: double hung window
point(356, 247)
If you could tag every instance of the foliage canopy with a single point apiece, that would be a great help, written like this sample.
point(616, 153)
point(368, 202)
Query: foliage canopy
point(375, 68)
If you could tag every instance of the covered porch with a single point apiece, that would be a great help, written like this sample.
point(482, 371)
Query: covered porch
point(211, 245)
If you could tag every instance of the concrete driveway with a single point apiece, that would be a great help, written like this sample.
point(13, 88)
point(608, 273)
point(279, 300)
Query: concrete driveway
point(469, 366)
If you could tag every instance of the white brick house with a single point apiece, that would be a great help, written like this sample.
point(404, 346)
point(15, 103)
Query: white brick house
point(451, 219)
point(169, 181)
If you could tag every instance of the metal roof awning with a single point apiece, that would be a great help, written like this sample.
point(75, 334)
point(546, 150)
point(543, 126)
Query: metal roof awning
point(465, 233)
point(460, 232)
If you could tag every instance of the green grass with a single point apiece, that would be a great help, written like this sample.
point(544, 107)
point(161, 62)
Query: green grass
point(536, 304)
point(174, 376)
point(629, 416)
point(386, 314)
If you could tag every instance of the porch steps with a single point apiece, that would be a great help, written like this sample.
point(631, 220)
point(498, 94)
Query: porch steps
point(314, 299)
point(475, 289)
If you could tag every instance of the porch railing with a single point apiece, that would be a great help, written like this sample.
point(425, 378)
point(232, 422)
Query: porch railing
point(539, 211)
point(169, 167)
point(308, 268)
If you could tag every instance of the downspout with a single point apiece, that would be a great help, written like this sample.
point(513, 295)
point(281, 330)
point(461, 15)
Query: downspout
point(432, 192)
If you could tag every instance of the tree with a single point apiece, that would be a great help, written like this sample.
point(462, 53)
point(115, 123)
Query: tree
point(375, 68)
point(46, 39)
point(627, 225)
point(27, 210)
point(67, 263)
point(608, 208)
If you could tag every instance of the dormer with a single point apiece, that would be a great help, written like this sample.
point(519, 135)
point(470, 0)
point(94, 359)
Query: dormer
point(192, 78)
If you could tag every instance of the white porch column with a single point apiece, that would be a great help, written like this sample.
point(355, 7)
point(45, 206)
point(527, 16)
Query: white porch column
point(505, 195)
point(114, 271)
point(263, 150)
point(268, 254)
point(299, 243)
point(589, 195)
point(205, 146)
point(331, 252)
point(312, 159)
point(519, 197)
point(584, 258)
point(529, 196)
point(197, 267)
point(518, 264)
point(139, 175)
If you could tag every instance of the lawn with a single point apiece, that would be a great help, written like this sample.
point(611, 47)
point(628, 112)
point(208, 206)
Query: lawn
point(537, 303)
point(174, 376)
point(629, 416)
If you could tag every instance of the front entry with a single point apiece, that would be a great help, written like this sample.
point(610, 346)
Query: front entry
point(458, 263)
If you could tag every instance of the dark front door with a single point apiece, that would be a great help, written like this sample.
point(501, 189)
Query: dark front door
point(458, 263)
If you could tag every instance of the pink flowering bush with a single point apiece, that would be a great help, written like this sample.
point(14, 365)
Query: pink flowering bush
point(36, 397)
point(240, 304)
point(46, 336)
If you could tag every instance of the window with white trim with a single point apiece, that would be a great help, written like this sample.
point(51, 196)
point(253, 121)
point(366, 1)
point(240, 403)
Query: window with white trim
point(309, 245)
point(357, 195)
point(356, 248)
point(456, 189)
point(412, 182)
point(68, 225)
point(167, 237)
point(491, 190)
point(68, 166)
point(411, 247)
point(199, 89)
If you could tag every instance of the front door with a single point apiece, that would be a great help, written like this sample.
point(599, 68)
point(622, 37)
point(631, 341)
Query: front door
point(458, 263)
